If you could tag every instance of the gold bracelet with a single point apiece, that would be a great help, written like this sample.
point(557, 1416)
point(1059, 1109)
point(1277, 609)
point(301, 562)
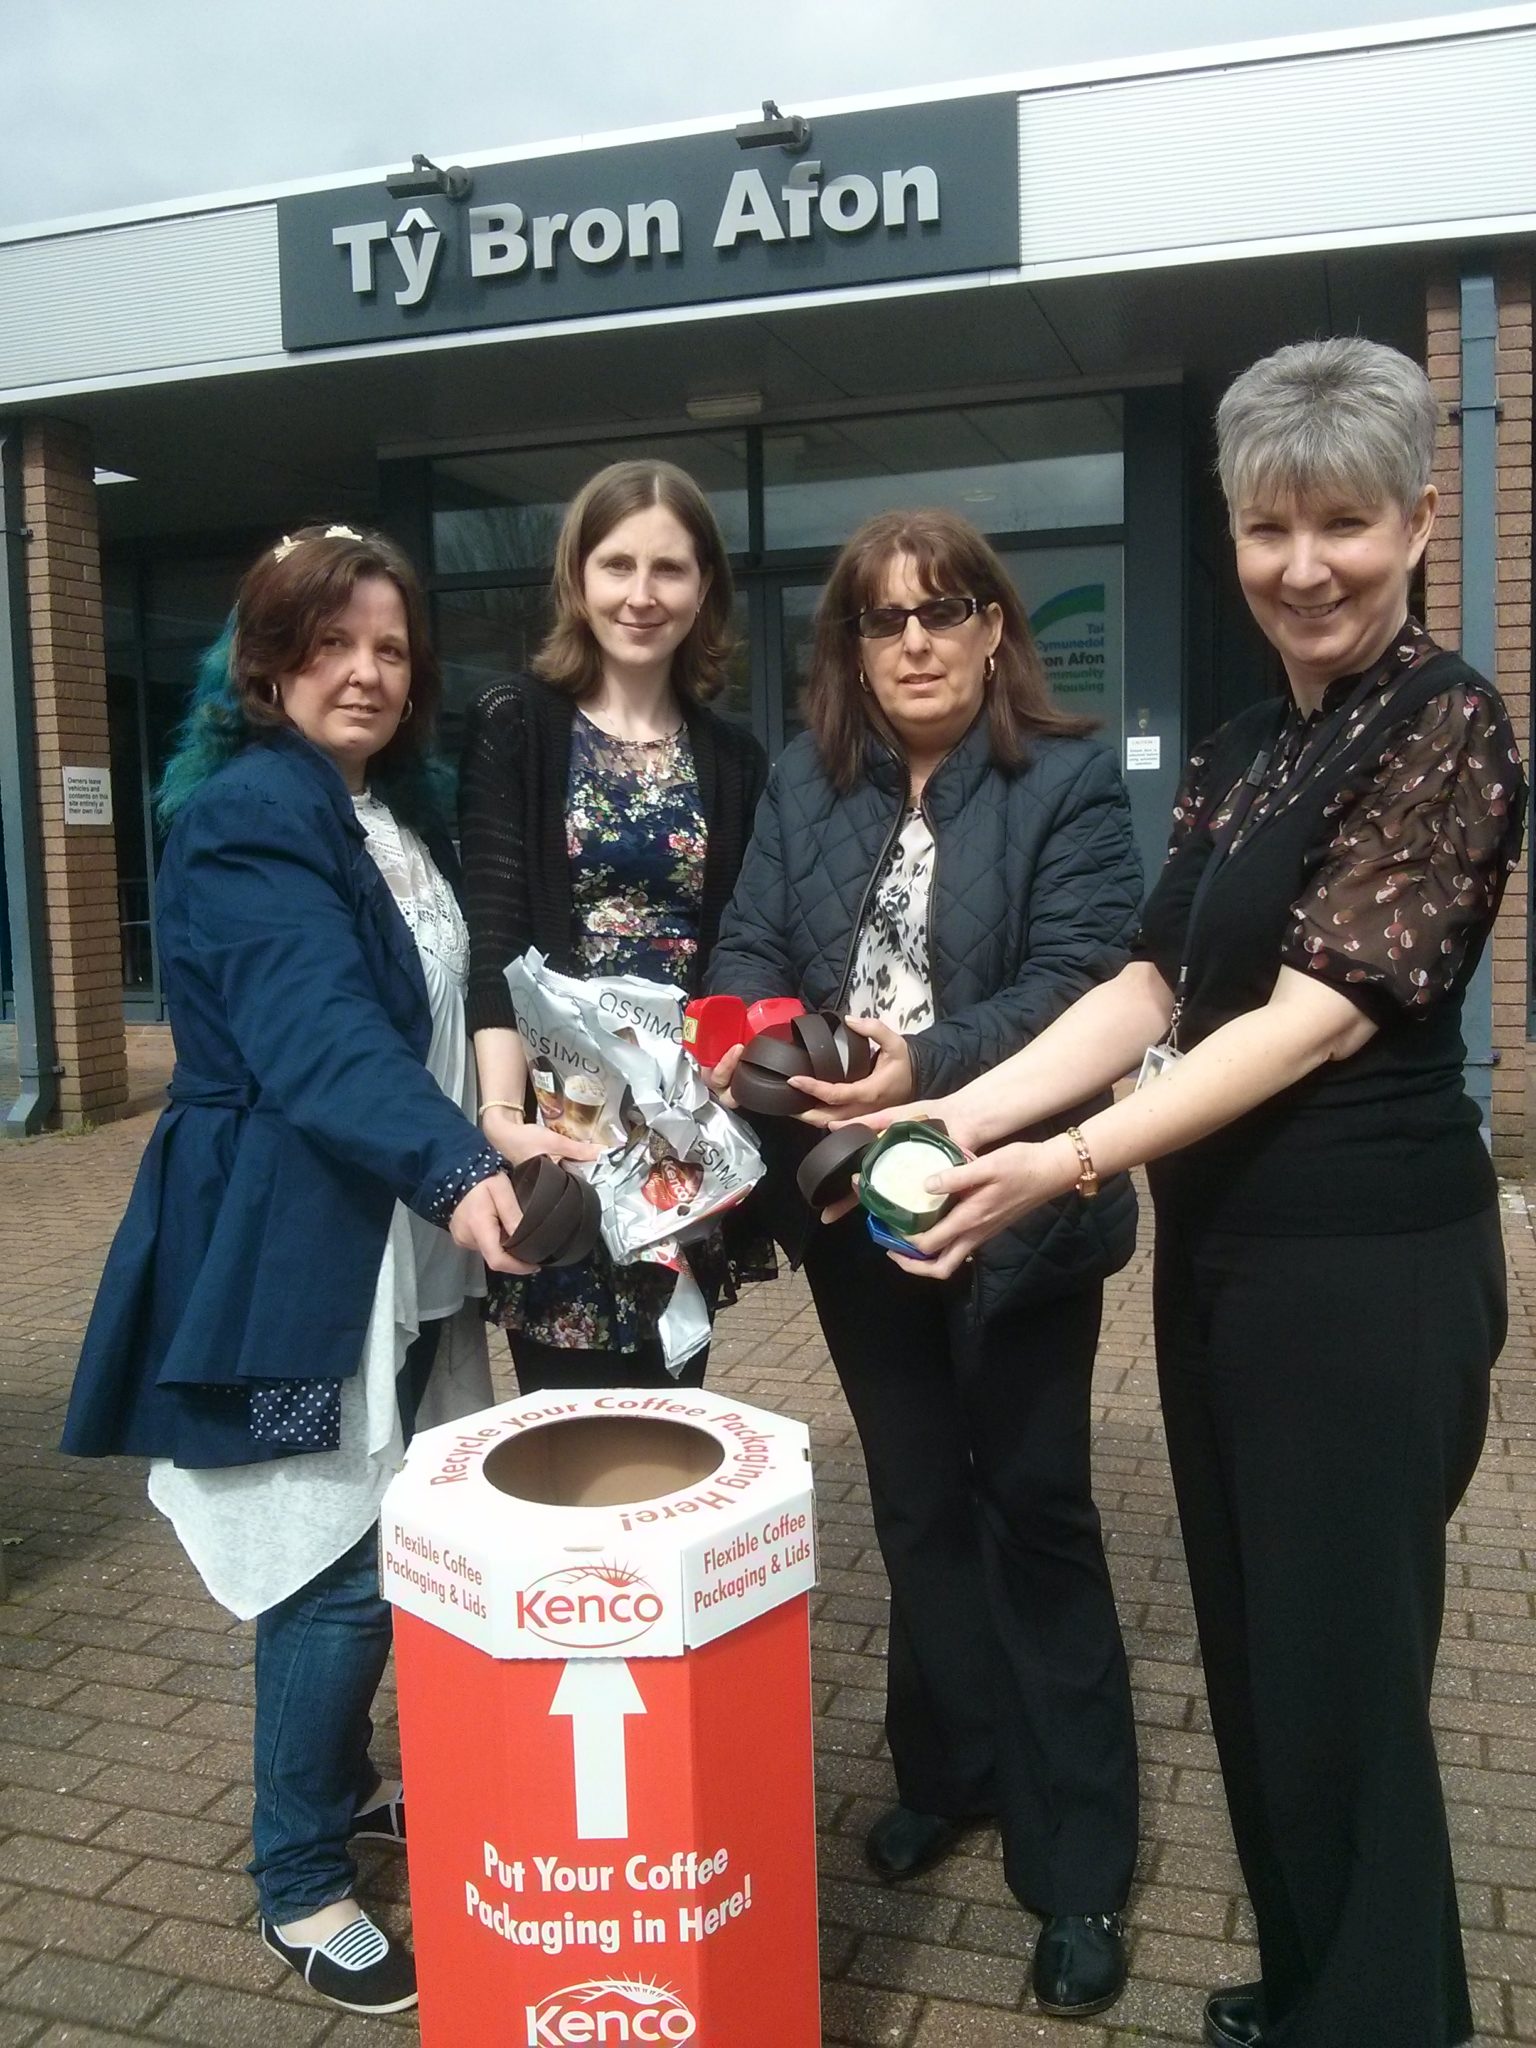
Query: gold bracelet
point(512, 1108)
point(1087, 1183)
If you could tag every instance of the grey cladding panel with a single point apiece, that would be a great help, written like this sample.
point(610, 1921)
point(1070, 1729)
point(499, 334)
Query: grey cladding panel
point(157, 295)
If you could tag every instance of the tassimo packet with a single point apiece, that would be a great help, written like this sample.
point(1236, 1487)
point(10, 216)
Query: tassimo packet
point(608, 1066)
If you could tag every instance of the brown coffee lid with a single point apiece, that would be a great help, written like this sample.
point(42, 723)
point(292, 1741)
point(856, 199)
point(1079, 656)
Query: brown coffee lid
point(775, 1055)
point(558, 1209)
point(766, 1094)
point(855, 1051)
point(583, 1239)
point(814, 1033)
point(827, 1170)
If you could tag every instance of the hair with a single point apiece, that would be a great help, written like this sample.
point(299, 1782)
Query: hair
point(570, 658)
point(1342, 415)
point(286, 599)
point(950, 559)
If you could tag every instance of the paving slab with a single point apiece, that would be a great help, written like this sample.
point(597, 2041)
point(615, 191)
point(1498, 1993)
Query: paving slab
point(124, 1703)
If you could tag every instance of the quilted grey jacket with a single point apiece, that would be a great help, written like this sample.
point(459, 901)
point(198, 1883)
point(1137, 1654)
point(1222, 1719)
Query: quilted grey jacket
point(1035, 892)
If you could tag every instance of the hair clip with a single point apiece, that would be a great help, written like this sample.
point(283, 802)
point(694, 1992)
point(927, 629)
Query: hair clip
point(341, 533)
point(284, 549)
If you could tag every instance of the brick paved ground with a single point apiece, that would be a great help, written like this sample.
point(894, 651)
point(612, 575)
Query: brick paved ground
point(124, 1710)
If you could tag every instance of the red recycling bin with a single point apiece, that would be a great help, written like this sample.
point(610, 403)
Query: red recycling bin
point(603, 1661)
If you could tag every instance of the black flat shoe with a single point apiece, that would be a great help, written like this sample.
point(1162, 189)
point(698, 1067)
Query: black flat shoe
point(901, 1843)
point(1079, 1964)
point(1233, 2018)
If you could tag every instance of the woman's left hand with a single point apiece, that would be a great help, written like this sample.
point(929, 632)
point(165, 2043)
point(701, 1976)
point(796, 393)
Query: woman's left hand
point(485, 1219)
point(989, 1194)
point(888, 1082)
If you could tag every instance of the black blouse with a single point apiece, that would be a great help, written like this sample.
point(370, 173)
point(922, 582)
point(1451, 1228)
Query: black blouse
point(1378, 867)
point(1424, 834)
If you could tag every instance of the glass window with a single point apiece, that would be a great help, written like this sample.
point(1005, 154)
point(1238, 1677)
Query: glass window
point(133, 879)
point(482, 637)
point(188, 601)
point(1007, 468)
point(503, 511)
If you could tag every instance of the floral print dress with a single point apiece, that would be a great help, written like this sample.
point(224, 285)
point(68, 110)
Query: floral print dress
point(635, 833)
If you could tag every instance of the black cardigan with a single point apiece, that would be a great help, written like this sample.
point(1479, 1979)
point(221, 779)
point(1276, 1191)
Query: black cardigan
point(513, 783)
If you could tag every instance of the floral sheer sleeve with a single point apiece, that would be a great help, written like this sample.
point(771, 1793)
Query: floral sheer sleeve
point(1424, 845)
point(1188, 802)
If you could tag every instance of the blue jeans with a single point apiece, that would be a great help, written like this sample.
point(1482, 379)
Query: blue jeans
point(319, 1657)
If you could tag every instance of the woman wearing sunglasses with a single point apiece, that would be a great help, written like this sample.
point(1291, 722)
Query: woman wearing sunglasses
point(946, 858)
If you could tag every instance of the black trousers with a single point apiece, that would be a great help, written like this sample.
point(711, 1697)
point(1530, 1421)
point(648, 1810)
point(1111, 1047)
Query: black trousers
point(1007, 1690)
point(1326, 1400)
point(539, 1366)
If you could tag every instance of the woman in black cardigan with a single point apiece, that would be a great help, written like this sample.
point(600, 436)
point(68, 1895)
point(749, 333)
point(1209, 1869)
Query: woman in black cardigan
point(604, 811)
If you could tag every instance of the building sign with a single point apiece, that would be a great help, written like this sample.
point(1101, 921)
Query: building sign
point(1073, 597)
point(897, 192)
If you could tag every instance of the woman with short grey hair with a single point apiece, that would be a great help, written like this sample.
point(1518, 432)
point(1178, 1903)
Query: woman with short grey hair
point(1330, 1293)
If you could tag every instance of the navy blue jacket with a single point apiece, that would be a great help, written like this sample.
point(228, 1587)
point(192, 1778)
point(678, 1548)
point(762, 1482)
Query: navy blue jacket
point(1034, 897)
point(300, 1111)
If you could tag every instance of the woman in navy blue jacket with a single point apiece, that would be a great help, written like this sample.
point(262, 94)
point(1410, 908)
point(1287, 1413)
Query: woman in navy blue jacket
point(946, 857)
point(316, 1205)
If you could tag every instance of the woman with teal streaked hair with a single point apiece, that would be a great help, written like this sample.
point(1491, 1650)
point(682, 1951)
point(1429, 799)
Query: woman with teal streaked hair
point(306, 1241)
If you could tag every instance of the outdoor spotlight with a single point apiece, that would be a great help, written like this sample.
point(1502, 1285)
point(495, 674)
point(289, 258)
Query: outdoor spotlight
point(425, 178)
point(789, 132)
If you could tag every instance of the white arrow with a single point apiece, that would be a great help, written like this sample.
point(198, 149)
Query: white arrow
point(598, 1693)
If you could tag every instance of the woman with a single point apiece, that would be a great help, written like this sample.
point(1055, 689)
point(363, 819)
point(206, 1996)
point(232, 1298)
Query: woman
point(603, 811)
point(315, 1204)
point(1329, 1278)
point(948, 858)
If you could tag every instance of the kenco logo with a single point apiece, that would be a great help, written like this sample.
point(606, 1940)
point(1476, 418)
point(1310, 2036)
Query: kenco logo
point(591, 1607)
point(608, 2009)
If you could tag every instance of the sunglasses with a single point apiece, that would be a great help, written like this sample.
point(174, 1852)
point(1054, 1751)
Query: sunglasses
point(934, 615)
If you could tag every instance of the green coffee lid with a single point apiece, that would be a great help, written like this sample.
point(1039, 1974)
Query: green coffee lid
point(896, 1194)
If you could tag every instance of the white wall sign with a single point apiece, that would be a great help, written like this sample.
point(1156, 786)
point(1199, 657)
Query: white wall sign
point(1143, 750)
point(87, 796)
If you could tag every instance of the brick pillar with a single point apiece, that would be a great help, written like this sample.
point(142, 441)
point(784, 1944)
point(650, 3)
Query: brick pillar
point(1514, 1078)
point(70, 684)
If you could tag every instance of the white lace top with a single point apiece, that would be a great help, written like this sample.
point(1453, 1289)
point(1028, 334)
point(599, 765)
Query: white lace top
point(891, 969)
point(321, 1502)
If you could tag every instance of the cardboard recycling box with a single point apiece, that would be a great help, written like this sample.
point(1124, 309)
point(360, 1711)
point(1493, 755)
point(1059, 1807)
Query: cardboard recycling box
point(603, 1658)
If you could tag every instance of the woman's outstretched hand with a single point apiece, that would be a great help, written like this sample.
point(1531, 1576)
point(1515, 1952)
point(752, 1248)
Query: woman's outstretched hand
point(888, 1081)
point(989, 1194)
point(485, 1220)
point(948, 1110)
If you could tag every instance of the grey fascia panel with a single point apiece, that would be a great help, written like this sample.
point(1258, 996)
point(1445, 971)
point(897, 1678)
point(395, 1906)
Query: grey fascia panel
point(1355, 147)
point(158, 295)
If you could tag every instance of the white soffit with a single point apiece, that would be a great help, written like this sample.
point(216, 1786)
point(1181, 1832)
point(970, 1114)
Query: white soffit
point(1363, 145)
point(158, 295)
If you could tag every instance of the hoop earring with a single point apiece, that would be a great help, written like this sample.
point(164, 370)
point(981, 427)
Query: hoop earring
point(864, 683)
point(409, 712)
point(274, 696)
point(988, 669)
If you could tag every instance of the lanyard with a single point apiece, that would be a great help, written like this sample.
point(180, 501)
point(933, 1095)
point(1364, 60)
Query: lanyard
point(1248, 791)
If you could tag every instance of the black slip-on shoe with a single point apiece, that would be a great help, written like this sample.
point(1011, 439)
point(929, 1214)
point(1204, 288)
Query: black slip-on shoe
point(1079, 1965)
point(359, 1968)
point(903, 1842)
point(1234, 2017)
point(382, 1823)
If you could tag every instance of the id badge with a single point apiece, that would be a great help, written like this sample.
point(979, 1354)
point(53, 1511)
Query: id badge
point(1158, 1059)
